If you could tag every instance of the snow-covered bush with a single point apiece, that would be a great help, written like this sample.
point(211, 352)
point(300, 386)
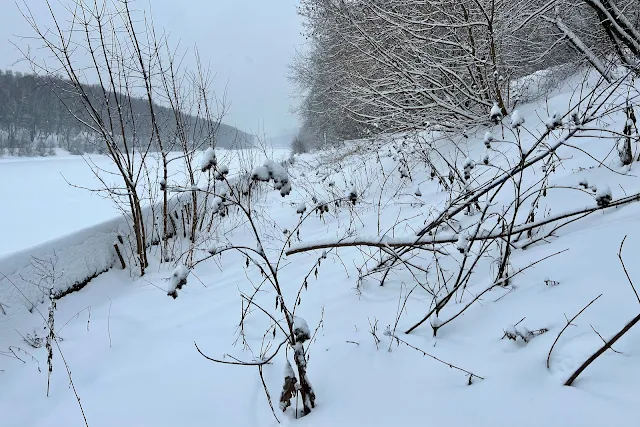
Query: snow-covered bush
point(223, 196)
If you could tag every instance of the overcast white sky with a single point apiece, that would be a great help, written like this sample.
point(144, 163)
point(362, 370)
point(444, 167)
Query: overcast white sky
point(248, 44)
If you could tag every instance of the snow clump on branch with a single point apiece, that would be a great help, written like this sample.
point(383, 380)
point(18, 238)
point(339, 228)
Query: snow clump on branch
point(603, 196)
point(208, 159)
point(496, 113)
point(517, 119)
point(177, 280)
point(271, 170)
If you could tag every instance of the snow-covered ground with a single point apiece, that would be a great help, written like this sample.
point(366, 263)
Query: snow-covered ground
point(130, 348)
point(41, 206)
point(42, 203)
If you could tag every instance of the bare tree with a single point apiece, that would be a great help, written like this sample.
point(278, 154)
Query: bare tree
point(110, 43)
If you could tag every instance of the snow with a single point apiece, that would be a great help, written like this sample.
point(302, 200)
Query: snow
point(260, 173)
point(462, 243)
point(603, 191)
point(554, 121)
point(301, 329)
point(137, 347)
point(46, 207)
point(208, 159)
point(221, 172)
point(288, 370)
point(468, 164)
point(488, 138)
point(496, 112)
point(178, 280)
point(517, 119)
point(42, 199)
point(603, 195)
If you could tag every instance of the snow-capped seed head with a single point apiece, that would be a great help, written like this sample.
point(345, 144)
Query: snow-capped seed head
point(260, 173)
point(418, 193)
point(353, 195)
point(180, 276)
point(213, 249)
point(271, 170)
point(216, 204)
point(517, 119)
point(584, 183)
point(435, 321)
point(496, 113)
point(488, 139)
point(301, 330)
point(177, 280)
point(485, 158)
point(575, 118)
point(302, 208)
point(208, 159)
point(435, 324)
point(285, 190)
point(462, 243)
point(603, 196)
point(468, 164)
point(554, 122)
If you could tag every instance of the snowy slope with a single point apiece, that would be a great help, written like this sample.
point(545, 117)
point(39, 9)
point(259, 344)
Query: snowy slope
point(130, 348)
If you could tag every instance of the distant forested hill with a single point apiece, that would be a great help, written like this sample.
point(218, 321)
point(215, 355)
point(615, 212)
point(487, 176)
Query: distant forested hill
point(36, 117)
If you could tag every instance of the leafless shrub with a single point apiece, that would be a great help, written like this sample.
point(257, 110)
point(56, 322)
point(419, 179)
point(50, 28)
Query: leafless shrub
point(495, 233)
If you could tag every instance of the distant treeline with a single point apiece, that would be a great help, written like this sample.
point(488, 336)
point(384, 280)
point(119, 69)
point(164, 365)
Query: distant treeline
point(40, 113)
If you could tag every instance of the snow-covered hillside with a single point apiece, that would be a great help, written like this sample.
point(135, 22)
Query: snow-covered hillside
point(481, 360)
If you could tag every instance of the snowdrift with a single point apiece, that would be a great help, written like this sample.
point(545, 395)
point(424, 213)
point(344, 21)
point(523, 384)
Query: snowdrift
point(77, 258)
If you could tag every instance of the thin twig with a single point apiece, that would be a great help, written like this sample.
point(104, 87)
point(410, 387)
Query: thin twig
point(565, 327)
point(615, 338)
point(424, 353)
point(242, 363)
point(266, 391)
point(624, 267)
point(602, 349)
point(66, 365)
point(603, 340)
